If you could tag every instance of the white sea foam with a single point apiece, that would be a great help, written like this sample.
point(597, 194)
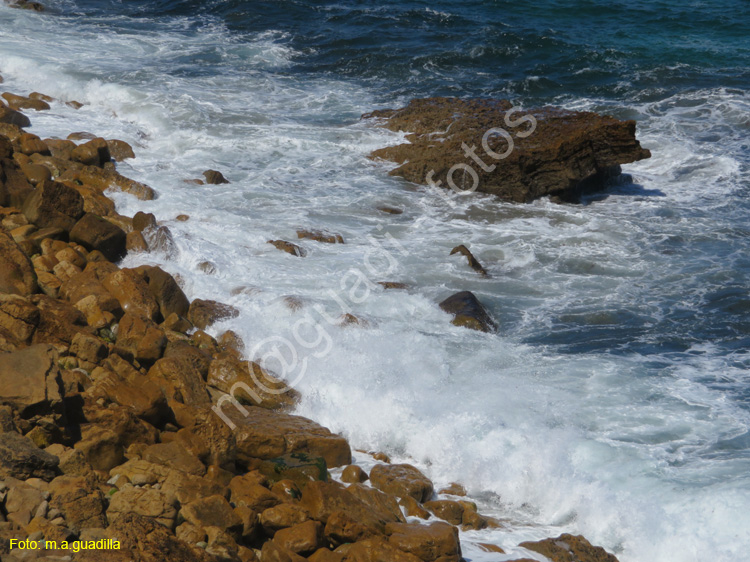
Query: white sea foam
point(637, 451)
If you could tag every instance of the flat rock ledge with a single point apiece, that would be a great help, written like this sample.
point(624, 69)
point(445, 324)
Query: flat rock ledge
point(492, 148)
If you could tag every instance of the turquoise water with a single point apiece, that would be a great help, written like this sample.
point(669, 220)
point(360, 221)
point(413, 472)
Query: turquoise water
point(614, 401)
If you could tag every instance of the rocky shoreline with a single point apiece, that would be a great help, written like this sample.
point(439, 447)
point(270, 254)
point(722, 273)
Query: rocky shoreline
point(115, 415)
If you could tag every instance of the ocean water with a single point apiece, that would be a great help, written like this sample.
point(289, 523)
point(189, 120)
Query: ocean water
point(615, 399)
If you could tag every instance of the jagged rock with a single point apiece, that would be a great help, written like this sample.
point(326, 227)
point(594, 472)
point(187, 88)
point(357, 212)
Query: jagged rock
point(16, 270)
point(473, 262)
point(203, 313)
point(569, 548)
point(565, 150)
point(30, 380)
point(53, 204)
point(95, 233)
point(214, 177)
point(401, 480)
point(80, 501)
point(20, 458)
point(19, 318)
point(288, 247)
point(263, 434)
point(468, 312)
point(435, 542)
point(180, 381)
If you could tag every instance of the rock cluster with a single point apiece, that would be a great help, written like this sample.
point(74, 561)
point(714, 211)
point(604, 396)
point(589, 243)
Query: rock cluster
point(485, 145)
point(122, 419)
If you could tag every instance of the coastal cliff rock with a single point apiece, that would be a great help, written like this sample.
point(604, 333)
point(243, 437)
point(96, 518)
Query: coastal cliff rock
point(519, 155)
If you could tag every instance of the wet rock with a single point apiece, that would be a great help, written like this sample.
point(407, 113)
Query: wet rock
point(135, 242)
point(16, 270)
point(182, 218)
point(13, 117)
point(393, 285)
point(60, 148)
point(95, 233)
point(353, 474)
point(569, 548)
point(401, 480)
point(32, 144)
point(390, 210)
point(22, 102)
point(215, 178)
point(288, 247)
point(120, 150)
point(169, 296)
point(413, 508)
point(468, 312)
point(132, 291)
point(53, 204)
point(448, 510)
point(563, 150)
point(92, 153)
point(435, 542)
point(20, 458)
point(473, 262)
point(144, 221)
point(249, 384)
point(320, 236)
point(453, 489)
point(203, 313)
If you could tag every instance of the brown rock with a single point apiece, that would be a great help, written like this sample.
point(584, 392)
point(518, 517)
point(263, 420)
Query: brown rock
point(203, 313)
point(390, 210)
point(473, 262)
point(120, 150)
point(342, 529)
point(401, 480)
point(569, 548)
point(282, 516)
point(103, 179)
point(393, 285)
point(174, 455)
point(59, 322)
point(303, 539)
point(468, 312)
point(136, 393)
point(12, 117)
point(263, 434)
point(320, 236)
point(81, 135)
point(272, 552)
point(16, 271)
point(60, 148)
point(180, 381)
point(19, 318)
point(325, 555)
point(95, 233)
point(139, 338)
point(378, 550)
point(92, 153)
point(30, 380)
point(135, 242)
point(32, 144)
point(249, 384)
point(448, 510)
point(148, 502)
point(80, 501)
point(132, 291)
point(453, 489)
point(413, 508)
point(212, 511)
point(565, 150)
point(473, 521)
point(434, 542)
point(21, 102)
point(288, 247)
point(20, 458)
point(214, 177)
point(353, 474)
point(144, 221)
point(168, 294)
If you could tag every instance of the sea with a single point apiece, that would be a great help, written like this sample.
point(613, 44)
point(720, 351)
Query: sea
point(614, 399)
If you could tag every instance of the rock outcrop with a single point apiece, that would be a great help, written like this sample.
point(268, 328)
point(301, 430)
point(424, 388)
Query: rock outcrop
point(485, 145)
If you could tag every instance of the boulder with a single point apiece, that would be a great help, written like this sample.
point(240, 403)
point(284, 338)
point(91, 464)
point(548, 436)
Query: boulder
point(320, 236)
point(148, 502)
point(249, 383)
point(132, 291)
point(139, 338)
point(468, 312)
point(401, 480)
point(120, 150)
point(378, 550)
point(354, 474)
point(60, 148)
point(22, 102)
point(59, 321)
point(479, 144)
point(31, 144)
point(81, 503)
point(168, 294)
point(16, 270)
point(30, 380)
point(173, 455)
point(213, 511)
point(303, 538)
point(448, 510)
point(263, 434)
point(569, 548)
point(272, 552)
point(92, 153)
point(288, 247)
point(95, 233)
point(214, 177)
point(434, 542)
point(12, 117)
point(20, 458)
point(203, 313)
point(19, 318)
point(53, 204)
point(282, 516)
point(251, 495)
point(180, 381)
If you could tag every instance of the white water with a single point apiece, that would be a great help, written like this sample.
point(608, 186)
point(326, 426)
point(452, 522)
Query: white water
point(634, 451)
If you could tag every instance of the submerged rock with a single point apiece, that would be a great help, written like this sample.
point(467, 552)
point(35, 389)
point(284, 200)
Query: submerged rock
point(487, 146)
point(468, 312)
point(569, 548)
